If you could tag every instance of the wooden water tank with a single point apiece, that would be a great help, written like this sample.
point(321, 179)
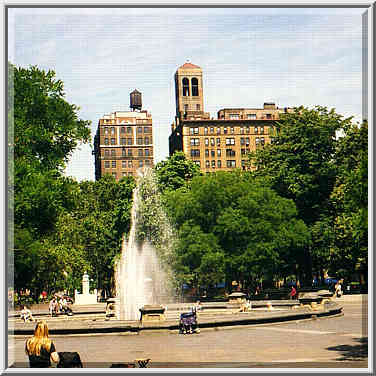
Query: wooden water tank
point(136, 100)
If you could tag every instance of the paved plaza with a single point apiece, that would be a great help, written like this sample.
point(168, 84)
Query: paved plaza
point(338, 342)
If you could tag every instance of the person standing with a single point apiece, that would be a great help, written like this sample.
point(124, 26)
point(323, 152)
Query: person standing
point(293, 292)
point(40, 349)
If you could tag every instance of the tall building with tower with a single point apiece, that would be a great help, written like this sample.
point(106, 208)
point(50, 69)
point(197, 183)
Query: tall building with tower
point(222, 143)
point(124, 141)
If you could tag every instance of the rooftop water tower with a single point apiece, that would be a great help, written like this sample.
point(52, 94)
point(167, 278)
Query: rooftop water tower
point(136, 100)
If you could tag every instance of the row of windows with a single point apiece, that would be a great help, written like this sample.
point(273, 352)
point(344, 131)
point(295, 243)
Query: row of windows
point(127, 164)
point(127, 152)
point(250, 116)
point(218, 163)
point(226, 130)
point(129, 141)
point(128, 130)
point(123, 174)
point(197, 107)
point(212, 153)
point(229, 141)
point(187, 91)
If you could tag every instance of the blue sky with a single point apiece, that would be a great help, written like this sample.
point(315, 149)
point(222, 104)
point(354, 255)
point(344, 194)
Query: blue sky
point(249, 56)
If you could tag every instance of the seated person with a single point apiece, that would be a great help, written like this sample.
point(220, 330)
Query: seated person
point(53, 307)
point(26, 314)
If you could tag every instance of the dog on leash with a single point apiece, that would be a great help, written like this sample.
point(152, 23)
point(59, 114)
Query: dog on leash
point(69, 360)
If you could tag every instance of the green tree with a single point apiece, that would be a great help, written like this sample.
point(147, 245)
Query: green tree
point(300, 165)
point(238, 221)
point(175, 172)
point(350, 200)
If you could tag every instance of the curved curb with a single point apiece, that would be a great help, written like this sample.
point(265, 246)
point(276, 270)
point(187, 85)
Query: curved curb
point(95, 327)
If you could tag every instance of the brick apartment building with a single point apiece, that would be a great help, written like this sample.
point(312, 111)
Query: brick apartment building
point(124, 141)
point(216, 144)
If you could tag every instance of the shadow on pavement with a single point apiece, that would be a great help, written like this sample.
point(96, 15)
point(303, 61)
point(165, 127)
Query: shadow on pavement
point(349, 352)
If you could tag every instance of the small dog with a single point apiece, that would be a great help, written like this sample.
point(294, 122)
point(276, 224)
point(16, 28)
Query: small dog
point(69, 360)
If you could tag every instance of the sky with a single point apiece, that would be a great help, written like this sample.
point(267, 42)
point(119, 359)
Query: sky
point(290, 56)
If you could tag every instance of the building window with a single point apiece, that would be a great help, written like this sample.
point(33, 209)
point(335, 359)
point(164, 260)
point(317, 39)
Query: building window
point(139, 141)
point(218, 141)
point(106, 164)
point(218, 152)
point(207, 164)
point(122, 130)
point(147, 162)
point(234, 116)
point(195, 142)
point(230, 141)
point(130, 164)
point(185, 87)
point(194, 82)
point(197, 163)
point(139, 129)
point(113, 152)
point(211, 129)
point(256, 130)
point(124, 152)
point(232, 130)
point(247, 129)
point(105, 130)
point(112, 141)
point(113, 164)
point(130, 152)
point(140, 163)
point(129, 129)
point(225, 130)
point(147, 141)
point(106, 152)
point(213, 164)
point(123, 141)
point(230, 153)
point(218, 130)
point(241, 130)
point(147, 130)
point(231, 164)
point(257, 141)
point(247, 141)
point(219, 164)
point(206, 153)
point(212, 153)
point(242, 141)
point(251, 116)
point(198, 107)
point(206, 130)
point(195, 152)
point(261, 130)
point(112, 130)
point(106, 141)
point(185, 108)
point(206, 141)
point(130, 141)
point(193, 131)
point(269, 116)
point(123, 164)
point(262, 141)
point(212, 142)
point(147, 152)
point(140, 152)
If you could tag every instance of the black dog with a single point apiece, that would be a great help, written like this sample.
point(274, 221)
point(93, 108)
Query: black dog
point(69, 360)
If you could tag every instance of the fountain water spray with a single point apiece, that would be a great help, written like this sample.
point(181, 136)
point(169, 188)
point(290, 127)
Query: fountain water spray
point(143, 274)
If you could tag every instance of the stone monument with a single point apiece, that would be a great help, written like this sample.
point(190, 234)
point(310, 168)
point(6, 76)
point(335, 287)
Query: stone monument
point(85, 297)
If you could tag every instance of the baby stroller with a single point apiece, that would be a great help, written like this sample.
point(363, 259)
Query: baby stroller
point(188, 323)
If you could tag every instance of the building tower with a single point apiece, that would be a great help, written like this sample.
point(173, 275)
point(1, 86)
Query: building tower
point(124, 141)
point(189, 93)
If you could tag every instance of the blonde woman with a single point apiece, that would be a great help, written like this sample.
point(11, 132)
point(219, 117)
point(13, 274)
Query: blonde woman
point(40, 349)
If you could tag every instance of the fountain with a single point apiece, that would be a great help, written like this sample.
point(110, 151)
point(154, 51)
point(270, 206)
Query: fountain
point(143, 276)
